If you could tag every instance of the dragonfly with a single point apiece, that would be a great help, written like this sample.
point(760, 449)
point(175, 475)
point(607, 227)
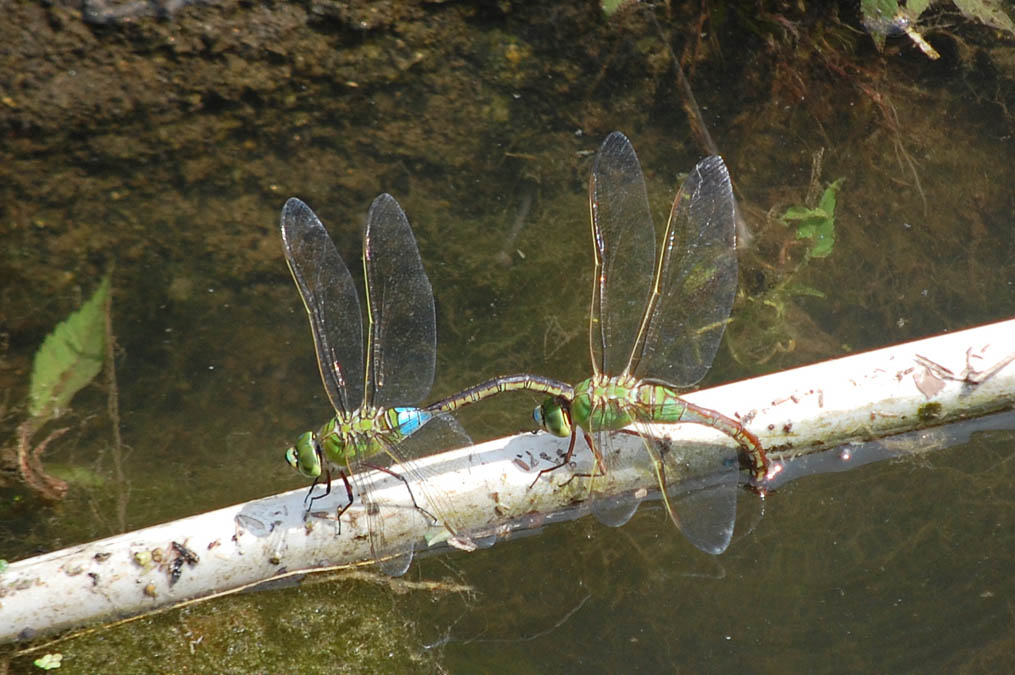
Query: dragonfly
point(655, 326)
point(372, 395)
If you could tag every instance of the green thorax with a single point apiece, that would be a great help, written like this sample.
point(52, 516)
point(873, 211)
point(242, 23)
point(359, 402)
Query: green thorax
point(359, 434)
point(605, 403)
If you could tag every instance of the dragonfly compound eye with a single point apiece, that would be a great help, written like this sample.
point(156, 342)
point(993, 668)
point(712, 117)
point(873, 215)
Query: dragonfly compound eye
point(305, 456)
point(551, 417)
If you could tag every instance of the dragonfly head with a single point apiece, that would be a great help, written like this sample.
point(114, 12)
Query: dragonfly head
point(552, 417)
point(305, 456)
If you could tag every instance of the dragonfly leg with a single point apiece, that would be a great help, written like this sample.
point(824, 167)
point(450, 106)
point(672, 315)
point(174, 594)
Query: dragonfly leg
point(327, 482)
point(597, 453)
point(415, 504)
point(348, 493)
point(311, 498)
point(566, 409)
point(600, 463)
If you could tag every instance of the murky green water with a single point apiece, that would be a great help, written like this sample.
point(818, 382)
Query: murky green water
point(485, 140)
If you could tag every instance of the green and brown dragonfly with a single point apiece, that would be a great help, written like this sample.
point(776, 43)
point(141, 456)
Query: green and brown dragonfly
point(372, 398)
point(655, 327)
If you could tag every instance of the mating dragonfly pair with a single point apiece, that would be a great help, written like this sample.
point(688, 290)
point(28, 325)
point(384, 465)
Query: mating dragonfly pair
point(653, 331)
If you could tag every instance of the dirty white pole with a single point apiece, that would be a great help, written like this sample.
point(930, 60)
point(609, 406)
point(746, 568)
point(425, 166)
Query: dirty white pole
point(487, 489)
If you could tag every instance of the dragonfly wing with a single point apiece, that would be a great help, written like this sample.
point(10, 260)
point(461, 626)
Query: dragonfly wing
point(616, 511)
point(699, 484)
point(695, 281)
point(391, 558)
point(395, 565)
point(698, 481)
point(705, 509)
point(430, 433)
point(402, 345)
point(624, 243)
point(439, 433)
point(332, 305)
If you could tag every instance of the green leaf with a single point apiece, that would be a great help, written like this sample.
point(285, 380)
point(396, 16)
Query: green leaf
point(817, 224)
point(611, 6)
point(877, 16)
point(916, 8)
point(990, 12)
point(879, 8)
point(827, 203)
point(799, 213)
point(803, 289)
point(49, 661)
point(822, 236)
point(70, 357)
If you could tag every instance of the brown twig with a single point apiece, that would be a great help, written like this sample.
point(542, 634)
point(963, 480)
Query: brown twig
point(49, 488)
point(113, 406)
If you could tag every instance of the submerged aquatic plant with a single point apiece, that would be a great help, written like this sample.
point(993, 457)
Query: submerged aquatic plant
point(68, 360)
point(770, 322)
point(816, 224)
point(882, 18)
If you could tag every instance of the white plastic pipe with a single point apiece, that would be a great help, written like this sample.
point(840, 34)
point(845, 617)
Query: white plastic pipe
point(487, 491)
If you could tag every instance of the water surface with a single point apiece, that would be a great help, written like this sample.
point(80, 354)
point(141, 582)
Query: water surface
point(169, 146)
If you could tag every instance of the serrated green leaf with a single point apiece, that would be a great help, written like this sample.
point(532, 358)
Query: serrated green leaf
point(990, 12)
point(810, 228)
point(827, 203)
point(816, 224)
point(822, 236)
point(70, 357)
point(805, 228)
point(796, 213)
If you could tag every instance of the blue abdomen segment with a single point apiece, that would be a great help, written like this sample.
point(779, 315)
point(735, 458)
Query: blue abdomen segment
point(409, 420)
